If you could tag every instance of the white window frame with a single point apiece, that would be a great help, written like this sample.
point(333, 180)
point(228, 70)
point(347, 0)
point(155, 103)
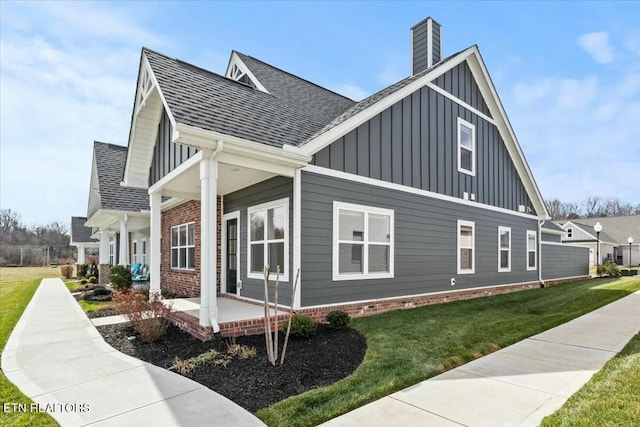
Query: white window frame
point(143, 251)
point(472, 172)
point(112, 252)
point(134, 251)
point(535, 249)
point(180, 246)
point(463, 223)
point(501, 249)
point(284, 272)
point(569, 233)
point(366, 210)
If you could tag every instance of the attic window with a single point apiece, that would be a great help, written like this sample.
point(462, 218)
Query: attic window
point(238, 75)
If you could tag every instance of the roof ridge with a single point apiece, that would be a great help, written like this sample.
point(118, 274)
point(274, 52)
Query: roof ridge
point(110, 144)
point(293, 75)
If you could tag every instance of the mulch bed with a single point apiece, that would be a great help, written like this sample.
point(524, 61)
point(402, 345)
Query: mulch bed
point(103, 312)
point(252, 383)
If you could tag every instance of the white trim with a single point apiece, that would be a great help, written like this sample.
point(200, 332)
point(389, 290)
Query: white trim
point(310, 307)
point(235, 60)
point(460, 123)
point(561, 244)
point(284, 273)
point(464, 223)
point(182, 168)
point(297, 235)
point(430, 43)
point(411, 50)
point(586, 276)
point(500, 249)
point(398, 187)
point(534, 234)
point(184, 246)
point(461, 102)
point(569, 231)
point(223, 257)
point(366, 210)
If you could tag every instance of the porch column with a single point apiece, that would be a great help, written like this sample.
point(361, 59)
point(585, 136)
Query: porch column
point(103, 278)
point(208, 200)
point(124, 242)
point(81, 254)
point(155, 259)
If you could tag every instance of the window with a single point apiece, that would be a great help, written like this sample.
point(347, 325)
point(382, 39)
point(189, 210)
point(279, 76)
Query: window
point(466, 147)
point(532, 249)
point(112, 252)
point(466, 246)
point(362, 242)
point(504, 249)
point(569, 233)
point(268, 239)
point(183, 246)
point(143, 255)
point(134, 252)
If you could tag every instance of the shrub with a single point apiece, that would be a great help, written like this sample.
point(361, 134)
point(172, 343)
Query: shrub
point(83, 281)
point(608, 269)
point(93, 280)
point(92, 270)
point(338, 319)
point(67, 271)
point(148, 318)
point(301, 326)
point(120, 277)
point(82, 270)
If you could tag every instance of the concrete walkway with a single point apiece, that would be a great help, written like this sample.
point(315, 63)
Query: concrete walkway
point(516, 386)
point(57, 358)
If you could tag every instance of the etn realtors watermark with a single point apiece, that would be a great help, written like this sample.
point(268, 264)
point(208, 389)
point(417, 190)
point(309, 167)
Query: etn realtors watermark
point(50, 408)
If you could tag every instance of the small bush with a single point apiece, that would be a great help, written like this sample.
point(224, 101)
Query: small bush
point(241, 351)
point(609, 269)
point(67, 271)
point(93, 270)
point(82, 270)
point(120, 277)
point(338, 319)
point(148, 318)
point(83, 281)
point(93, 280)
point(301, 326)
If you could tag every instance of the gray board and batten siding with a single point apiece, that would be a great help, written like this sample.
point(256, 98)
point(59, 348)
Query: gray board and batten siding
point(562, 261)
point(414, 143)
point(266, 191)
point(425, 243)
point(420, 46)
point(167, 155)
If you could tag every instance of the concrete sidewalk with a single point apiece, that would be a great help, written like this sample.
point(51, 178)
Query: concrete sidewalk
point(516, 386)
point(57, 358)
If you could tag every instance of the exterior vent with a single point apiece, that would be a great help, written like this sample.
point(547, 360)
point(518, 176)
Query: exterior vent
point(522, 208)
point(426, 45)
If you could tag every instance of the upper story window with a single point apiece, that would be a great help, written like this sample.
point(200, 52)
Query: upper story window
point(504, 249)
point(532, 249)
point(362, 242)
point(183, 246)
point(569, 233)
point(268, 239)
point(466, 247)
point(466, 147)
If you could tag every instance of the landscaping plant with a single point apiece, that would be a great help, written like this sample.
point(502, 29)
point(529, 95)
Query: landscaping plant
point(82, 270)
point(302, 326)
point(609, 269)
point(120, 277)
point(66, 271)
point(338, 319)
point(148, 318)
point(93, 280)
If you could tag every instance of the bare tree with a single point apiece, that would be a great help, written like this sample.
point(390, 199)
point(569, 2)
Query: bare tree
point(9, 220)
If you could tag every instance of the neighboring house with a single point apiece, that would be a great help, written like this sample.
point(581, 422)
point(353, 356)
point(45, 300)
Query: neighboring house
point(614, 238)
point(81, 238)
point(417, 194)
point(118, 215)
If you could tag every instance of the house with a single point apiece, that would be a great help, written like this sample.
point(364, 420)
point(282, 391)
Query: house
point(117, 215)
point(417, 194)
point(611, 244)
point(81, 238)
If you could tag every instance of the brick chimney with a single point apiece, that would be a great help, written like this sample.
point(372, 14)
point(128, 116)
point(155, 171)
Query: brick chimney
point(426, 45)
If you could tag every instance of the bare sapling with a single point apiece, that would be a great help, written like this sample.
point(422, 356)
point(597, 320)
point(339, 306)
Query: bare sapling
point(275, 310)
point(293, 296)
point(267, 317)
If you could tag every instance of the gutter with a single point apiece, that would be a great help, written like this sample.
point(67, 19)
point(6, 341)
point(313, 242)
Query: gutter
point(540, 222)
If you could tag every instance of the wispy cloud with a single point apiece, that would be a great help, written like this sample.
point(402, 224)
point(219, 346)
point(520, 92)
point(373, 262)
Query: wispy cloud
point(351, 91)
point(597, 45)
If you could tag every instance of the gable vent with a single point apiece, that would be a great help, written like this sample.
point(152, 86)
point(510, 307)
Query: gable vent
point(426, 45)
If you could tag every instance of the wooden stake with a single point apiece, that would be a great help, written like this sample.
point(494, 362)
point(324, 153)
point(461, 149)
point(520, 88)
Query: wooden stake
point(275, 346)
point(286, 337)
point(267, 319)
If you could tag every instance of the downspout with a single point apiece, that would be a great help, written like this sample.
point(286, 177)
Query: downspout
point(540, 222)
point(213, 298)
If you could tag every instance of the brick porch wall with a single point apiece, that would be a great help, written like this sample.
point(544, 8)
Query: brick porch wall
point(186, 282)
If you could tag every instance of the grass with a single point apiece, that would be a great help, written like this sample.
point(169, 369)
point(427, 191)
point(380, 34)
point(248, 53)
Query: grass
point(89, 306)
point(610, 398)
point(406, 347)
point(17, 286)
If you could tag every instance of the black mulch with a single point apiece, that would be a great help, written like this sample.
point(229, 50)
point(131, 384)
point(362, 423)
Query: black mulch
point(253, 383)
point(103, 312)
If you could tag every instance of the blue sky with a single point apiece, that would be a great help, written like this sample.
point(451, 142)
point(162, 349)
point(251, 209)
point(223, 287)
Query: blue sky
point(568, 74)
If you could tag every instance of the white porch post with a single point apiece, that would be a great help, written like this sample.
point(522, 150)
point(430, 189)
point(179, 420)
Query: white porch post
point(124, 242)
point(81, 254)
point(104, 247)
point(208, 212)
point(155, 199)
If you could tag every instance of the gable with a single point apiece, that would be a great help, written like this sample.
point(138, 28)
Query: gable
point(414, 143)
point(460, 82)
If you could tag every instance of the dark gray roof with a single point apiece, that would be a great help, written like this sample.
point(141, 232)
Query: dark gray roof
point(615, 229)
point(369, 101)
point(80, 233)
point(286, 115)
point(110, 160)
point(548, 225)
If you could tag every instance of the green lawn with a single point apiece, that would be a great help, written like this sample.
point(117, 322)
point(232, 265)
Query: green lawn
point(17, 286)
point(406, 347)
point(610, 398)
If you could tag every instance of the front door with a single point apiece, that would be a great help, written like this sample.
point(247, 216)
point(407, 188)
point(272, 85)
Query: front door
point(232, 251)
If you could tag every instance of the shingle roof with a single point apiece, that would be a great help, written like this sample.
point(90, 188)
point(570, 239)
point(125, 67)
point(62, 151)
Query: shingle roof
point(80, 233)
point(616, 229)
point(369, 101)
point(110, 160)
point(200, 98)
point(548, 225)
